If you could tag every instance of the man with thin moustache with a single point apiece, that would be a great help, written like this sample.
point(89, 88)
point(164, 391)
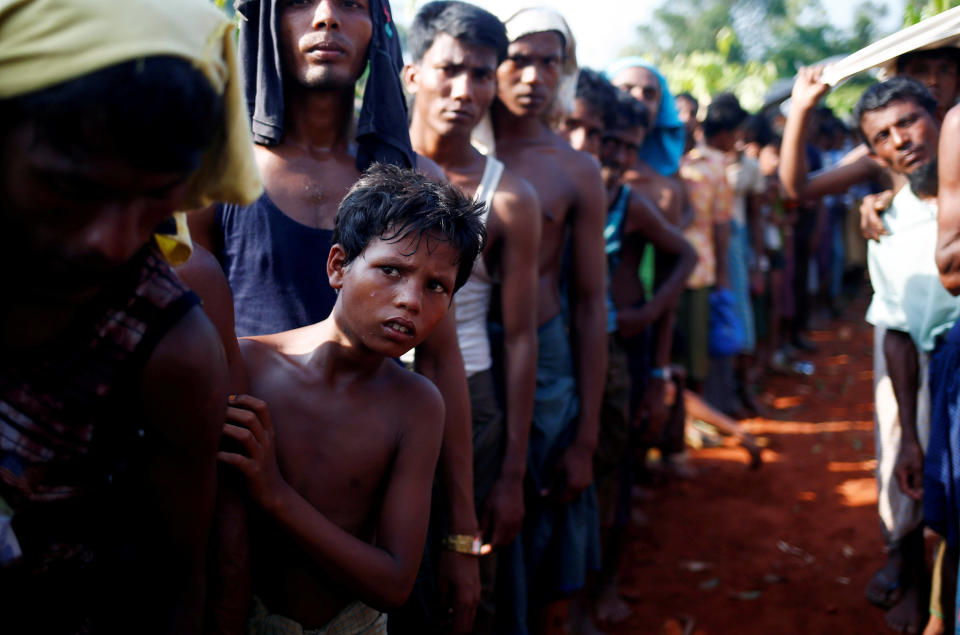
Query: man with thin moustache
point(302, 59)
point(455, 48)
point(536, 85)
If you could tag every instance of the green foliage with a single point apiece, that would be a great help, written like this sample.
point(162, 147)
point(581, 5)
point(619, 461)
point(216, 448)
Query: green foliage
point(917, 10)
point(706, 73)
point(708, 46)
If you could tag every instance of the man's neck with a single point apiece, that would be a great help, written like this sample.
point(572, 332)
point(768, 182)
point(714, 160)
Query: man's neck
point(508, 126)
point(452, 152)
point(319, 120)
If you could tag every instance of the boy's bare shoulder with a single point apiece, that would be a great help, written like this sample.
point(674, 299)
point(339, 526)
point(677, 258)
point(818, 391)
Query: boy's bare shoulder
point(411, 392)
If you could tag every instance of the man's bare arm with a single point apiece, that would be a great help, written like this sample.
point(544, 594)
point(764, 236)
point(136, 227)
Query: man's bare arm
point(518, 216)
point(183, 393)
point(948, 201)
point(807, 91)
point(589, 332)
point(381, 574)
point(228, 578)
point(672, 247)
point(904, 370)
point(439, 360)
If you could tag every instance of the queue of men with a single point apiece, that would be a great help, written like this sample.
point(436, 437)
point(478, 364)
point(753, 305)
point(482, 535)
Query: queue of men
point(548, 240)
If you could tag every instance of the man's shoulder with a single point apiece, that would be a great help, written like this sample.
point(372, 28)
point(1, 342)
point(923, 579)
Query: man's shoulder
point(186, 362)
point(514, 192)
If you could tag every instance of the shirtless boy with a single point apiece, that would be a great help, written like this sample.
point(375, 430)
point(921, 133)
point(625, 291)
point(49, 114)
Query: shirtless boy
point(538, 74)
point(455, 49)
point(112, 380)
point(302, 61)
point(343, 481)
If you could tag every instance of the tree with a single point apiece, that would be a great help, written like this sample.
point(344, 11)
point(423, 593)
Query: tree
point(708, 46)
point(917, 10)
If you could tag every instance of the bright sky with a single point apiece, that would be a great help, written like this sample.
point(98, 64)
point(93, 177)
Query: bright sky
point(604, 27)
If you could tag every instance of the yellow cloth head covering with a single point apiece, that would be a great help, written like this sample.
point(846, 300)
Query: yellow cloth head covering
point(47, 42)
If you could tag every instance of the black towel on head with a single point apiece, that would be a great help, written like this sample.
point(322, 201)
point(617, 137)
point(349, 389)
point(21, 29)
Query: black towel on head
point(382, 126)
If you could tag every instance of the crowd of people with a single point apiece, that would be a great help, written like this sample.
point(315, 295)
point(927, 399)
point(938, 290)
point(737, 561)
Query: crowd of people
point(212, 420)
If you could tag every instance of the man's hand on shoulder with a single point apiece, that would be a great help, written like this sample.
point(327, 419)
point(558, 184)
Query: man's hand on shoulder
point(871, 226)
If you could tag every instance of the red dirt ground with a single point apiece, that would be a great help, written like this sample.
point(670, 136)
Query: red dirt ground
point(784, 550)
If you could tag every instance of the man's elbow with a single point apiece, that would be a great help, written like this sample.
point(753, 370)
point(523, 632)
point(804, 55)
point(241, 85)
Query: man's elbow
point(948, 263)
point(951, 282)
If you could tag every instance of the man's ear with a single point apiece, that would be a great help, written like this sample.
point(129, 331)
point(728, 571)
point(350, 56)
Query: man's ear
point(336, 266)
point(410, 75)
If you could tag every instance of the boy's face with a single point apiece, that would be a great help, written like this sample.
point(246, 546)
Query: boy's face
point(393, 294)
point(619, 152)
point(583, 128)
point(454, 84)
point(324, 42)
point(527, 80)
point(74, 217)
point(643, 85)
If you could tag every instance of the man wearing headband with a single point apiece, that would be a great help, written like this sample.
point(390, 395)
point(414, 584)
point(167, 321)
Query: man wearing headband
point(302, 61)
point(112, 381)
point(455, 49)
point(536, 87)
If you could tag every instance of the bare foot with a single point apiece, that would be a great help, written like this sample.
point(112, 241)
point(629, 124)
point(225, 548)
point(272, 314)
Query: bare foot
point(883, 589)
point(611, 607)
point(935, 626)
point(910, 613)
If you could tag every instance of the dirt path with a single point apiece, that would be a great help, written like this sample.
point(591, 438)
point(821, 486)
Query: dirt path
point(784, 550)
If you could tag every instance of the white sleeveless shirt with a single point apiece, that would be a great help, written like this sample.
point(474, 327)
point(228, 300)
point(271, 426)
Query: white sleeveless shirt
point(472, 302)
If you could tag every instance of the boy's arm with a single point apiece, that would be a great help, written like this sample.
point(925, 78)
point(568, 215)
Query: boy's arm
point(518, 211)
point(589, 329)
point(182, 393)
point(903, 368)
point(228, 580)
point(948, 201)
point(644, 220)
point(438, 359)
point(382, 574)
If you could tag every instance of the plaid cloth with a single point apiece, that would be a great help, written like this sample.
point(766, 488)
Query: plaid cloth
point(356, 619)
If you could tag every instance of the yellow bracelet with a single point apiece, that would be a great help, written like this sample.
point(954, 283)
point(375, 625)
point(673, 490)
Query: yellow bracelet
point(466, 544)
